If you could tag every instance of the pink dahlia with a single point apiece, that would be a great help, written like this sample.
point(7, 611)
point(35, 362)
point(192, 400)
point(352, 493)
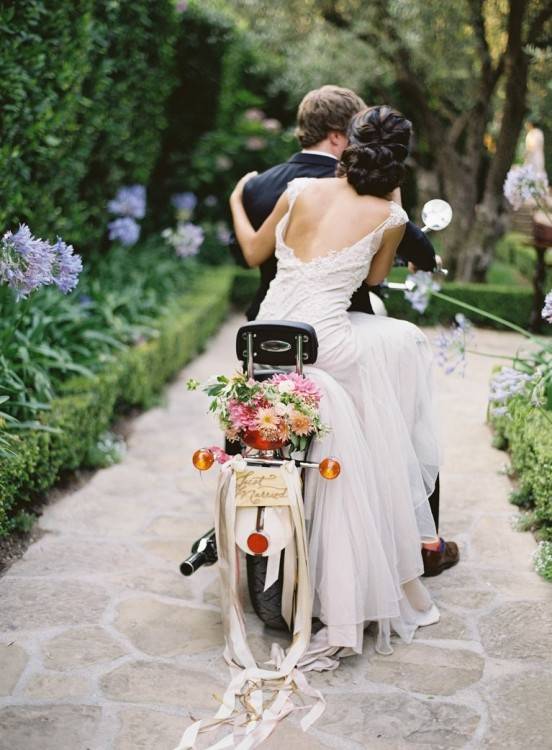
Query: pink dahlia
point(243, 417)
point(304, 387)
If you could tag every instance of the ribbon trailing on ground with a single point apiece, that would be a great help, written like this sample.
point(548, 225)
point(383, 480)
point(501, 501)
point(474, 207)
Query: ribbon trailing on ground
point(257, 699)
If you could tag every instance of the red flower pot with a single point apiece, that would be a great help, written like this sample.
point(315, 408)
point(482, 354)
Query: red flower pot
point(254, 439)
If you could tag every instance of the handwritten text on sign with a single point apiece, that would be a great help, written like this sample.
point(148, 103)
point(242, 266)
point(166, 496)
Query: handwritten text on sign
point(260, 487)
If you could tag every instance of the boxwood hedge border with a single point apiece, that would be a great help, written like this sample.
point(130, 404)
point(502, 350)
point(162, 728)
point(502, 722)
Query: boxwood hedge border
point(508, 302)
point(88, 406)
point(526, 433)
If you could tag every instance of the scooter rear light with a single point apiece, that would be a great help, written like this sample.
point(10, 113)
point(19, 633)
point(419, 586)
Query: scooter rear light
point(257, 542)
point(203, 459)
point(329, 468)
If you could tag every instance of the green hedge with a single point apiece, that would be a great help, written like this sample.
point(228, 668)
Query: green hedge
point(218, 80)
point(527, 434)
point(87, 406)
point(510, 303)
point(517, 251)
point(83, 86)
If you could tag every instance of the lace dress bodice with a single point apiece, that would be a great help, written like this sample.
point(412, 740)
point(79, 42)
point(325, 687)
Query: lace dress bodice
point(319, 291)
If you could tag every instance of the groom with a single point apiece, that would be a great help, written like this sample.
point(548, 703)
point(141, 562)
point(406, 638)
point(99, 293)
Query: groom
point(322, 121)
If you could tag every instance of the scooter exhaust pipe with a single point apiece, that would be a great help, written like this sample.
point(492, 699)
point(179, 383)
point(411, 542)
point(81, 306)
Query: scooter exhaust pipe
point(204, 552)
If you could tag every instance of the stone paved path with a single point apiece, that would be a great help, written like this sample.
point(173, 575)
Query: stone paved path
point(104, 646)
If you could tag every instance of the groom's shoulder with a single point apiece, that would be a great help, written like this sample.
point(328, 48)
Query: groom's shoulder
point(299, 165)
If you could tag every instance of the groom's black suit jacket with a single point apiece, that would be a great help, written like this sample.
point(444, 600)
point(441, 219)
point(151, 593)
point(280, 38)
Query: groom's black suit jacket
point(261, 194)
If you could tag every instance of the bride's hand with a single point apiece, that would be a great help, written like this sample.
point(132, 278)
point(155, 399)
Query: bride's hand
point(238, 190)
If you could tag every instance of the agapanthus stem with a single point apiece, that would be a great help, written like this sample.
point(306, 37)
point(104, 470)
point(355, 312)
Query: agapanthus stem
point(487, 354)
point(485, 314)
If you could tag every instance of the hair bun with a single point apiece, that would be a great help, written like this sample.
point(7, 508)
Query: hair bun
point(374, 160)
point(372, 170)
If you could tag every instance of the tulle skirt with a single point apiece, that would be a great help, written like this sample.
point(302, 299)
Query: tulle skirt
point(365, 528)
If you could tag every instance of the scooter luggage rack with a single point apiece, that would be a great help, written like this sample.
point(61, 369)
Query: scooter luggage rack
point(272, 461)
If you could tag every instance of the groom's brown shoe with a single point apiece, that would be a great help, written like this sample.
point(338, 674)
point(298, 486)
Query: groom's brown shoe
point(435, 561)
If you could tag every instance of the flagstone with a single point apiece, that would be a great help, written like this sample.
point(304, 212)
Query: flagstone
point(52, 686)
point(13, 660)
point(427, 669)
point(48, 727)
point(162, 683)
point(161, 629)
point(395, 721)
point(142, 729)
point(519, 630)
point(38, 603)
point(80, 647)
point(519, 711)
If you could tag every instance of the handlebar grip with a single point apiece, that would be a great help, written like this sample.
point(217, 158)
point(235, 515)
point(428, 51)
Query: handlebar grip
point(193, 563)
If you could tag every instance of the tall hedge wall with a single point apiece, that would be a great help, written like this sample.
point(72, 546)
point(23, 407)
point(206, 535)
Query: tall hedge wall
point(83, 86)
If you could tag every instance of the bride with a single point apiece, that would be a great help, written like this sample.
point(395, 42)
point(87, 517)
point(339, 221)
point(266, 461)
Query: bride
point(365, 529)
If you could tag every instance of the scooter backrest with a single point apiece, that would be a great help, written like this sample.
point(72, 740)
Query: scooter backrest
point(275, 342)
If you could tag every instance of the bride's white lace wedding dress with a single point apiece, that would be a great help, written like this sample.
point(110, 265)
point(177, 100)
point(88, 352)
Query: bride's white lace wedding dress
point(365, 527)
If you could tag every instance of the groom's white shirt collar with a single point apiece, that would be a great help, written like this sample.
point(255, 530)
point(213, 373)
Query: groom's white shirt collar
point(320, 153)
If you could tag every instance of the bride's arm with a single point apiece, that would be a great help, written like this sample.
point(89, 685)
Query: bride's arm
point(257, 246)
point(383, 259)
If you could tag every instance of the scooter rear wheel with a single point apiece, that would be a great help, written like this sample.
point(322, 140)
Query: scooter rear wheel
point(267, 604)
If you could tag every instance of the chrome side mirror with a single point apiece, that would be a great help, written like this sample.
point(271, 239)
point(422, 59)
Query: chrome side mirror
point(436, 215)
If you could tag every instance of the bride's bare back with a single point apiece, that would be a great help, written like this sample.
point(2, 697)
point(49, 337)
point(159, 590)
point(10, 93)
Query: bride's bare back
point(329, 216)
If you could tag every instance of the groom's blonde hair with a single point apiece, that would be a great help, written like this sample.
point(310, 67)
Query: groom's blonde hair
point(323, 110)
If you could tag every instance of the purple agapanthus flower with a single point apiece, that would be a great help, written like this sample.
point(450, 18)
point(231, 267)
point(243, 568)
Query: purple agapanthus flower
point(184, 201)
point(124, 230)
point(224, 235)
point(129, 201)
point(524, 183)
point(186, 239)
point(452, 345)
point(506, 384)
point(421, 286)
point(27, 263)
point(66, 266)
point(547, 309)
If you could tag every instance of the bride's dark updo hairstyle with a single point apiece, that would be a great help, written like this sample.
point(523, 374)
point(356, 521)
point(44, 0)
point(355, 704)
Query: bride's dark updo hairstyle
point(378, 147)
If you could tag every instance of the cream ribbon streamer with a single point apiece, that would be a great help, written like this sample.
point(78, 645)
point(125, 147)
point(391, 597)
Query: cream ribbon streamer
point(257, 699)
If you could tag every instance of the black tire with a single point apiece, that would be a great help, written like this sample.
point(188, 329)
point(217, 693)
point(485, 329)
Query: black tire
point(267, 604)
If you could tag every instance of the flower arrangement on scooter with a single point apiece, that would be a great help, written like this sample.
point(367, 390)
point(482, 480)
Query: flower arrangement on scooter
point(269, 414)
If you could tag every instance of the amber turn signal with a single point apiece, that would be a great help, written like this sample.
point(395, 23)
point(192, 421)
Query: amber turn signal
point(329, 468)
point(203, 459)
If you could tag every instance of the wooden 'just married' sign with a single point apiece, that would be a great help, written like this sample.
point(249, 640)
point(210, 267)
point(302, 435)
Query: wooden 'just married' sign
point(260, 486)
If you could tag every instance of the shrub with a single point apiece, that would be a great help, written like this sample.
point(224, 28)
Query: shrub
point(51, 337)
point(516, 250)
point(528, 432)
point(83, 88)
point(87, 406)
point(204, 147)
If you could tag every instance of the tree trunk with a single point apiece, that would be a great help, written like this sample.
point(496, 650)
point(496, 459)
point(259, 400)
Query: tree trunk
point(489, 224)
